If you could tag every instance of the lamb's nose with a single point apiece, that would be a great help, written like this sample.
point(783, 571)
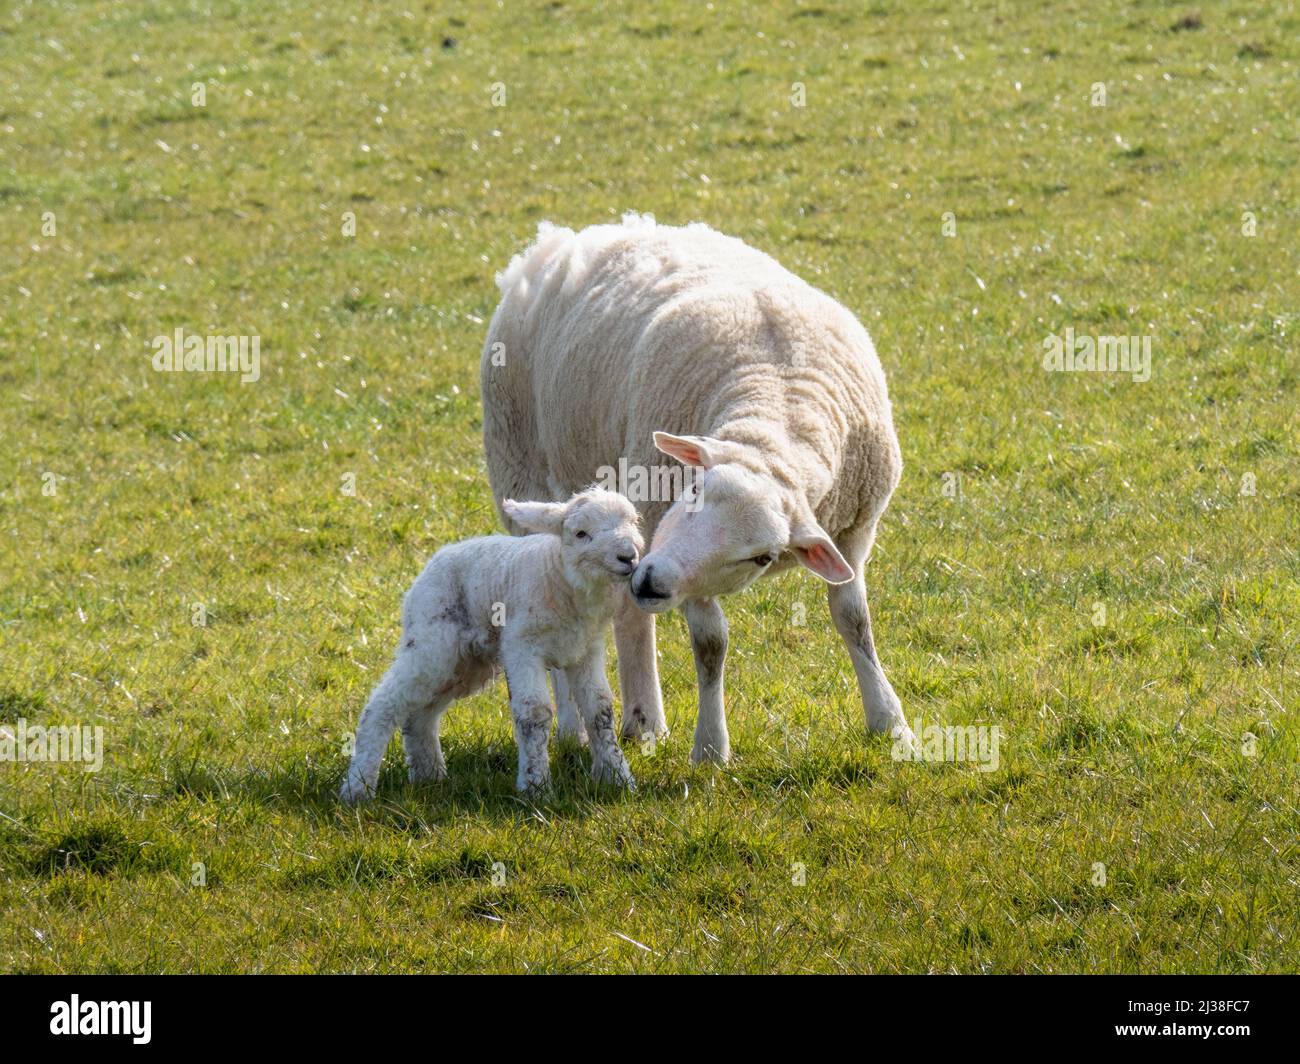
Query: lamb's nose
point(628, 559)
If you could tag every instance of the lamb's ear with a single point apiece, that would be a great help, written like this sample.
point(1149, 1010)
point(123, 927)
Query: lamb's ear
point(535, 516)
point(703, 452)
point(814, 548)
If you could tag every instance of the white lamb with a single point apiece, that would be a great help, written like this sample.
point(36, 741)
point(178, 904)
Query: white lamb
point(524, 605)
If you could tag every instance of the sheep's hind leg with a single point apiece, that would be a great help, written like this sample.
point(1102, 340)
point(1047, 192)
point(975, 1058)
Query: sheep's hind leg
point(420, 741)
point(568, 719)
point(404, 690)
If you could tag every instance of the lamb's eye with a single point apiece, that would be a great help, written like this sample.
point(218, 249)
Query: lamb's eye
point(581, 535)
point(762, 559)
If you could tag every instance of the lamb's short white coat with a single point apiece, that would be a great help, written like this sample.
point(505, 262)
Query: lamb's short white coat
point(524, 605)
point(614, 343)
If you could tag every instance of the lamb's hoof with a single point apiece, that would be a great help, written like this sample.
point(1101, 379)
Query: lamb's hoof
point(427, 774)
point(354, 791)
point(618, 775)
point(533, 790)
point(570, 737)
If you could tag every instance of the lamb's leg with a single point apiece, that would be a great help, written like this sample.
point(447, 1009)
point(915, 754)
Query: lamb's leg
point(596, 702)
point(848, 604)
point(638, 672)
point(530, 706)
point(568, 718)
point(708, 627)
point(422, 744)
point(404, 690)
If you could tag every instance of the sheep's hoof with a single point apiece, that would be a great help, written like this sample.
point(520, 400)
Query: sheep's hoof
point(710, 755)
point(642, 732)
point(904, 740)
point(637, 726)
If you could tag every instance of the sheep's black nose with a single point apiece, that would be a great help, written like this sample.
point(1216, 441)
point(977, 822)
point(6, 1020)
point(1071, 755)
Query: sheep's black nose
point(644, 587)
point(627, 559)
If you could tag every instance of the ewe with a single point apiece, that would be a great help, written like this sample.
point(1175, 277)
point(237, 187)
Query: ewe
point(524, 605)
point(620, 339)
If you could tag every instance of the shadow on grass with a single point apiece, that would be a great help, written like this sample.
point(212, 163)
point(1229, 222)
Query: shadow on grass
point(480, 781)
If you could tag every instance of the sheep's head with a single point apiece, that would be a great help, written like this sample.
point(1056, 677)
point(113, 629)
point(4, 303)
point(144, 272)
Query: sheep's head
point(726, 530)
point(600, 537)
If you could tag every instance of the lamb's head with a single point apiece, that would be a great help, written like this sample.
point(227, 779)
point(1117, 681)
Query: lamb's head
point(600, 535)
point(726, 530)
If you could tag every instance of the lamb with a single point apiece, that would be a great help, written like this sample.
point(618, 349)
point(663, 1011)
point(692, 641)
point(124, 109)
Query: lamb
point(620, 343)
point(524, 605)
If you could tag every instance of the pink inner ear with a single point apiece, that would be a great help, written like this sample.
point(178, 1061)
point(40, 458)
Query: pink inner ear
point(825, 564)
point(684, 452)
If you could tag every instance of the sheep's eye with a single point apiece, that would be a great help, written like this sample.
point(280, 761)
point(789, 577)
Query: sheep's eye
point(762, 559)
point(581, 535)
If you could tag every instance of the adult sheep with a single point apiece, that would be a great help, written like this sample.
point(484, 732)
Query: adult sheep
point(620, 339)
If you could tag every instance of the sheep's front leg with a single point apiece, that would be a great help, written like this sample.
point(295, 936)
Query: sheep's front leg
point(568, 717)
point(530, 706)
point(638, 672)
point(596, 702)
point(708, 627)
point(848, 603)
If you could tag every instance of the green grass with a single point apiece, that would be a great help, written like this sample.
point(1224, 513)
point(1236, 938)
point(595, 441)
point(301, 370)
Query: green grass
point(1123, 741)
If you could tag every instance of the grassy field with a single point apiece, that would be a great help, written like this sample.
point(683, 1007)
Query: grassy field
point(209, 570)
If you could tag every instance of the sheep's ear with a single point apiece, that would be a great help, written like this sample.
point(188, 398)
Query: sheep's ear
point(704, 452)
point(815, 550)
point(535, 516)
